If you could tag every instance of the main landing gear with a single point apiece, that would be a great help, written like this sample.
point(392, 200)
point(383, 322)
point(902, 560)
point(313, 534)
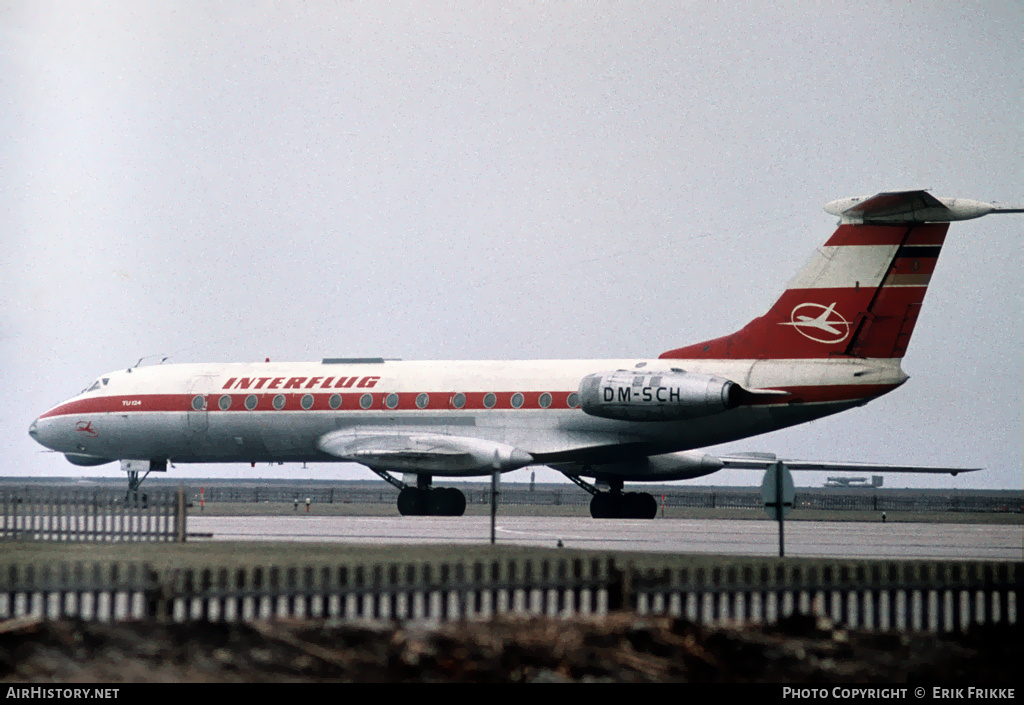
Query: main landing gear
point(437, 502)
point(616, 504)
point(424, 500)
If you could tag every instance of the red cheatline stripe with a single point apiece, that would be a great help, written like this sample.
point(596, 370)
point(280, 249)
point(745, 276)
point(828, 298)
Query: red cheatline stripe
point(121, 404)
point(293, 402)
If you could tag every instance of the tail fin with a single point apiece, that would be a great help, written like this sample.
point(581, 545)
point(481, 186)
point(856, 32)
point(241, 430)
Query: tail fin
point(860, 294)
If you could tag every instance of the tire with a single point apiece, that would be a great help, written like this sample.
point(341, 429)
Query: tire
point(445, 502)
point(602, 506)
point(642, 506)
point(410, 502)
point(456, 502)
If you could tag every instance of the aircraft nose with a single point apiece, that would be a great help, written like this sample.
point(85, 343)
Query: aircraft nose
point(38, 433)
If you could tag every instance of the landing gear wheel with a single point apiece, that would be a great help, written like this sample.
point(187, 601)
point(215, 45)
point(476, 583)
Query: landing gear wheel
point(436, 501)
point(411, 502)
point(446, 502)
point(640, 505)
point(632, 505)
point(602, 506)
point(134, 498)
point(456, 502)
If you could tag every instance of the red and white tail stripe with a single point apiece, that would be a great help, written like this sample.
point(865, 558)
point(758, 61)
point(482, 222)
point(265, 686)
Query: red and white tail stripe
point(859, 295)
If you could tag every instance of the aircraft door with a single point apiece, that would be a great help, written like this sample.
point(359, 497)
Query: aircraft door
point(198, 404)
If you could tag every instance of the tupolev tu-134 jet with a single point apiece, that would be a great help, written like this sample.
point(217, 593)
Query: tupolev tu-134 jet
point(834, 340)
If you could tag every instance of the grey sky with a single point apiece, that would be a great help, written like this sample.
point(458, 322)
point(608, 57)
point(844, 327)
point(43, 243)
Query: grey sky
point(465, 181)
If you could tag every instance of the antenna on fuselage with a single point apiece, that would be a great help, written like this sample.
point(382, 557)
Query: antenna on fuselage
point(162, 360)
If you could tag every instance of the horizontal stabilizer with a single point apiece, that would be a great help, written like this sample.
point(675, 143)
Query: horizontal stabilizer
point(761, 461)
point(911, 207)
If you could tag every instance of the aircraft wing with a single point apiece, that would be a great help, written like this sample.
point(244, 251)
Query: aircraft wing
point(413, 451)
point(761, 461)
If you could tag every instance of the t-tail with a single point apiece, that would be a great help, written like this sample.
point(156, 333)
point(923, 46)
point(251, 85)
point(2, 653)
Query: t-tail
point(861, 293)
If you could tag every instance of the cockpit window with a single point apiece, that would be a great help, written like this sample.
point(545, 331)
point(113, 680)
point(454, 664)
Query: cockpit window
point(102, 382)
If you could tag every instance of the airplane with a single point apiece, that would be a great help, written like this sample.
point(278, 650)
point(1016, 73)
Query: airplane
point(834, 340)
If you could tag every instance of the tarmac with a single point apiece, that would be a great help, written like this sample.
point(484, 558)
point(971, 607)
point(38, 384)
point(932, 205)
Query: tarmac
point(813, 539)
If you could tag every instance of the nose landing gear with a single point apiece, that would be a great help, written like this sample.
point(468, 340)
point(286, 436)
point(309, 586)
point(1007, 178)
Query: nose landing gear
point(134, 468)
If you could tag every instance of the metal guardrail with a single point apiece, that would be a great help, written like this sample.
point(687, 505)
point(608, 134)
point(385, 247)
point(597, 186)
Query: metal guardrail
point(513, 494)
point(96, 515)
point(717, 498)
point(936, 596)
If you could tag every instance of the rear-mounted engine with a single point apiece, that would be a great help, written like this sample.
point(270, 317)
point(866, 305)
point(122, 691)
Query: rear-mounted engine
point(656, 396)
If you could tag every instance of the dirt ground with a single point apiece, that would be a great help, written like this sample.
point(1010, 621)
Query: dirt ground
point(619, 648)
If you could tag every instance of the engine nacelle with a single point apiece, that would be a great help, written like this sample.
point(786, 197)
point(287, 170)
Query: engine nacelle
point(634, 395)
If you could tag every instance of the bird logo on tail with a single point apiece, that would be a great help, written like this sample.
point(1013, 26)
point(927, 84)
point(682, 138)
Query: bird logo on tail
point(827, 327)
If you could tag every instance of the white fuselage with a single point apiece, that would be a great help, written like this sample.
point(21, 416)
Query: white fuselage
point(278, 411)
